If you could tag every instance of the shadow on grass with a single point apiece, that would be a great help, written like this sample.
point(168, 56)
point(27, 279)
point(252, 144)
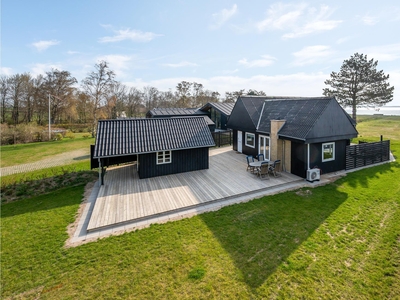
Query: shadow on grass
point(261, 234)
point(83, 157)
point(362, 177)
point(56, 199)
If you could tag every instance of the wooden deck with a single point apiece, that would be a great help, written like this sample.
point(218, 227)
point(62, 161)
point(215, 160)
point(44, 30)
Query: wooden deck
point(125, 198)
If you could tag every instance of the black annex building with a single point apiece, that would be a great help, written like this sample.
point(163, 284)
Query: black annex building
point(161, 146)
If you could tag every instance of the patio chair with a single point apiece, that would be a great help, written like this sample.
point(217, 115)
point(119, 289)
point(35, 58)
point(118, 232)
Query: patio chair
point(263, 171)
point(250, 159)
point(273, 168)
point(260, 157)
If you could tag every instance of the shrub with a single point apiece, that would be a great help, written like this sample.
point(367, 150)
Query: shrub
point(70, 135)
point(21, 133)
point(58, 137)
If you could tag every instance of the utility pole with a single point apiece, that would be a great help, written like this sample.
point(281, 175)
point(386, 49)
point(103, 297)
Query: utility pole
point(49, 120)
point(50, 95)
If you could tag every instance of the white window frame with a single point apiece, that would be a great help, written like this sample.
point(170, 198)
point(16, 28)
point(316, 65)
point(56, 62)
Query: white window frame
point(333, 151)
point(268, 148)
point(164, 157)
point(254, 139)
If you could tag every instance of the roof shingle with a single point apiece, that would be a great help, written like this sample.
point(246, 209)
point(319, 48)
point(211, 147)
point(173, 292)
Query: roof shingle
point(136, 136)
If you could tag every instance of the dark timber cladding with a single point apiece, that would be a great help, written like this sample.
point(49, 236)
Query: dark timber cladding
point(311, 126)
point(185, 137)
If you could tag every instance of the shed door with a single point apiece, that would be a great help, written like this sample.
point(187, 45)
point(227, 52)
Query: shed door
point(239, 141)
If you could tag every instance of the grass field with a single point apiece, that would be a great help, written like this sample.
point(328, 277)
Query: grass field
point(26, 153)
point(339, 241)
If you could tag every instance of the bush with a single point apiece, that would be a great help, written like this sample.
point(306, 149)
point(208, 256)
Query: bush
point(58, 137)
point(21, 133)
point(70, 135)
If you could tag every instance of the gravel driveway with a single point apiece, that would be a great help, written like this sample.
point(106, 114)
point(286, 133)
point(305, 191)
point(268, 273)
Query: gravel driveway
point(56, 160)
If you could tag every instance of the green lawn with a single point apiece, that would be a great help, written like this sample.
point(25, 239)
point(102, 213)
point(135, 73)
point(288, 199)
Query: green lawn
point(339, 241)
point(25, 153)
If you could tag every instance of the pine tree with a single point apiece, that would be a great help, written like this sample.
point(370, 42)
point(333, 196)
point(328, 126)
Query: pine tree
point(359, 84)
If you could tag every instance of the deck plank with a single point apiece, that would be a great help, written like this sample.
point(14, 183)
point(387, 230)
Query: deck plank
point(124, 197)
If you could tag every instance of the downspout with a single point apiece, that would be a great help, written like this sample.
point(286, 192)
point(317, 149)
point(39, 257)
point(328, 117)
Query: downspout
point(308, 156)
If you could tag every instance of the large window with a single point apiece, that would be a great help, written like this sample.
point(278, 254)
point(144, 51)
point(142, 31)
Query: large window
point(164, 157)
point(250, 140)
point(328, 152)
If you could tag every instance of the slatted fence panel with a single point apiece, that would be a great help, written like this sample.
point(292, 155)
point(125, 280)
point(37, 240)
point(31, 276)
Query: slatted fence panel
point(222, 138)
point(365, 154)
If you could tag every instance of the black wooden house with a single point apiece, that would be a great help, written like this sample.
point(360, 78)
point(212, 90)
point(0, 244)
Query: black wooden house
point(219, 113)
point(216, 114)
point(161, 146)
point(304, 133)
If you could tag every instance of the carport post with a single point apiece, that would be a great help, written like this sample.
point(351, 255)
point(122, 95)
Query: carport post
point(100, 168)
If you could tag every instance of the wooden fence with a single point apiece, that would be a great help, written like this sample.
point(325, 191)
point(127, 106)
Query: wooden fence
point(222, 138)
point(366, 154)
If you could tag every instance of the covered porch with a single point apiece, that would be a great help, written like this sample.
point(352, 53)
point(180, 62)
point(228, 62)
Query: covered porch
point(126, 199)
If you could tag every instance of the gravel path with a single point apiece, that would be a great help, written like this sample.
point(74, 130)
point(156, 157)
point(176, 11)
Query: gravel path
point(56, 160)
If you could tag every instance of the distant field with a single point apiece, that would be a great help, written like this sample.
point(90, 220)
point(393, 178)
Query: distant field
point(25, 153)
point(372, 127)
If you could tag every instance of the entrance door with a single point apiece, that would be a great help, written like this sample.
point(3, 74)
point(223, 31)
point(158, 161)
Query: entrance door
point(239, 141)
point(263, 142)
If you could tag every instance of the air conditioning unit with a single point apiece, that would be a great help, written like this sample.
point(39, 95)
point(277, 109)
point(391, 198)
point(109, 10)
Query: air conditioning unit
point(313, 174)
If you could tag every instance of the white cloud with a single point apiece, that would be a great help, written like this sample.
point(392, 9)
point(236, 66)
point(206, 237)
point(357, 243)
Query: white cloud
point(282, 16)
point(181, 64)
point(298, 20)
point(223, 16)
point(43, 45)
point(266, 61)
point(299, 84)
point(367, 19)
point(129, 34)
point(311, 54)
point(38, 68)
point(117, 63)
point(5, 71)
point(70, 52)
point(389, 52)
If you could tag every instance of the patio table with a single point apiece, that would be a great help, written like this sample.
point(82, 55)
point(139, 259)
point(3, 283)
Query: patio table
point(257, 164)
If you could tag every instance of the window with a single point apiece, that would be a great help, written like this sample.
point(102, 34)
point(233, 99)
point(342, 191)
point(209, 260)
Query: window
point(250, 140)
point(328, 152)
point(164, 157)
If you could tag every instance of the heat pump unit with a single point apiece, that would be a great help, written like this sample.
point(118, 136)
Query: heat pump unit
point(313, 174)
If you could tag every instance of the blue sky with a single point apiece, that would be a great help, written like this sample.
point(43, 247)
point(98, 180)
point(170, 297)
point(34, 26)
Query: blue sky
point(283, 48)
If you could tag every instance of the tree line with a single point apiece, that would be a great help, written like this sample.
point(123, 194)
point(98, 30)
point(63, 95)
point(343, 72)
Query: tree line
point(26, 99)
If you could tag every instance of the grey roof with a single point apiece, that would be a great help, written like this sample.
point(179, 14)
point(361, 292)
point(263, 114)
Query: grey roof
point(172, 111)
point(225, 108)
point(135, 136)
point(300, 115)
point(206, 118)
point(253, 106)
point(313, 118)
